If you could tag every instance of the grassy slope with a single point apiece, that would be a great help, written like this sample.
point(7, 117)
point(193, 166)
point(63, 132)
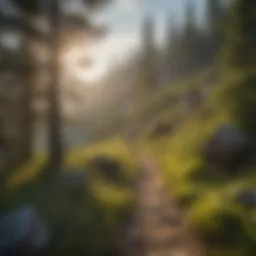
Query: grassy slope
point(164, 104)
point(210, 204)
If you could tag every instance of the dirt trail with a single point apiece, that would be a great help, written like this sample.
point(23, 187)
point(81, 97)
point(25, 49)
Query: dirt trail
point(158, 228)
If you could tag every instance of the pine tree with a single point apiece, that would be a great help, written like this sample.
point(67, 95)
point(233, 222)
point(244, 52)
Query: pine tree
point(215, 18)
point(214, 13)
point(190, 23)
point(189, 53)
point(173, 49)
point(54, 113)
point(148, 61)
point(24, 66)
point(240, 64)
point(241, 34)
point(54, 9)
point(27, 89)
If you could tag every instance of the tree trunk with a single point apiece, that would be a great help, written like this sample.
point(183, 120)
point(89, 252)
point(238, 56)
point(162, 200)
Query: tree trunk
point(54, 115)
point(20, 153)
point(28, 70)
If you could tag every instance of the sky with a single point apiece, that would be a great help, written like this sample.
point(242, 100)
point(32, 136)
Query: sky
point(124, 19)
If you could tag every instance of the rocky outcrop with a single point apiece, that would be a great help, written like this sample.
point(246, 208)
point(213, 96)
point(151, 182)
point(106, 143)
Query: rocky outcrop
point(247, 198)
point(228, 148)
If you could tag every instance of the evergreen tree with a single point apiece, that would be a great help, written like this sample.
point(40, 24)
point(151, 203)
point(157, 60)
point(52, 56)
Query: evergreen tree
point(54, 9)
point(182, 50)
point(215, 18)
point(213, 12)
point(148, 58)
point(241, 34)
point(190, 23)
point(54, 115)
point(27, 88)
point(173, 49)
point(190, 54)
point(23, 65)
point(191, 48)
point(240, 64)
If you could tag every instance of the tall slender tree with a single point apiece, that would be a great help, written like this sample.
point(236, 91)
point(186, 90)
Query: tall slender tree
point(215, 19)
point(24, 67)
point(54, 114)
point(23, 23)
point(173, 47)
point(190, 23)
point(56, 149)
point(148, 62)
point(17, 64)
point(189, 53)
point(214, 11)
point(240, 64)
point(27, 91)
point(240, 48)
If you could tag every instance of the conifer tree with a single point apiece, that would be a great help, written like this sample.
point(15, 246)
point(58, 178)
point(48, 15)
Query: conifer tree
point(148, 62)
point(240, 64)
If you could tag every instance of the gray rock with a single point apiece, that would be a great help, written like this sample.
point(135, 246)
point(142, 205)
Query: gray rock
point(22, 227)
point(247, 198)
point(228, 148)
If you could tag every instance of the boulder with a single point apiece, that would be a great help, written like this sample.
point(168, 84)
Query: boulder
point(228, 148)
point(22, 231)
point(247, 198)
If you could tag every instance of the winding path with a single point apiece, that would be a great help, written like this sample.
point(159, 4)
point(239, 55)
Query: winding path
point(158, 228)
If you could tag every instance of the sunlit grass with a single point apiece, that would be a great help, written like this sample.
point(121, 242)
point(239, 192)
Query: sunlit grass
point(27, 172)
point(76, 159)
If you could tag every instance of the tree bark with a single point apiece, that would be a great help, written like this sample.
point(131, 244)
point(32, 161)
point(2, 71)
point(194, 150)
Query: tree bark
point(26, 100)
point(54, 114)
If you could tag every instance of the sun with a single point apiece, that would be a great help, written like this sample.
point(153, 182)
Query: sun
point(84, 63)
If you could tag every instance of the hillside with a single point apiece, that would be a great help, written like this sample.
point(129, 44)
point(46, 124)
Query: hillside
point(174, 133)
